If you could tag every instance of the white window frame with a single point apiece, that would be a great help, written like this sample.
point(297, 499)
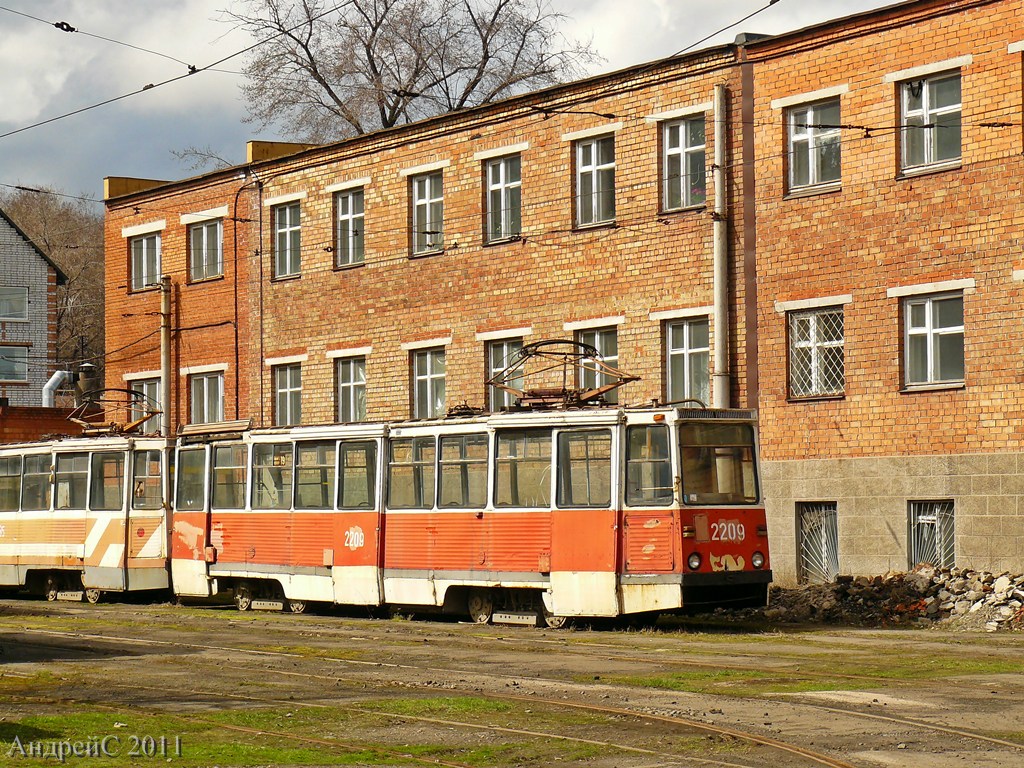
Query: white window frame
point(204, 388)
point(349, 232)
point(588, 205)
point(931, 334)
point(687, 353)
point(10, 297)
point(598, 338)
point(427, 213)
point(287, 394)
point(428, 388)
point(150, 387)
point(808, 137)
point(504, 221)
point(927, 115)
point(145, 261)
point(816, 347)
point(499, 354)
point(287, 222)
point(15, 355)
point(202, 268)
point(683, 152)
point(350, 379)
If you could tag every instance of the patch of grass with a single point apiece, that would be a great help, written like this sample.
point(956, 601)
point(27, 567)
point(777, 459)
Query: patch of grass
point(309, 652)
point(734, 682)
point(448, 706)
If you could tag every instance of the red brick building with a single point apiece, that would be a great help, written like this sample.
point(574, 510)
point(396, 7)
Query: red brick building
point(868, 266)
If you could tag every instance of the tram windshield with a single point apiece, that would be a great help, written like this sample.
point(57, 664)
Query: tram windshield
point(718, 463)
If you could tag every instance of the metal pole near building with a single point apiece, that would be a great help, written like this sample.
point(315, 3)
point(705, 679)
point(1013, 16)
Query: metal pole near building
point(165, 355)
point(722, 379)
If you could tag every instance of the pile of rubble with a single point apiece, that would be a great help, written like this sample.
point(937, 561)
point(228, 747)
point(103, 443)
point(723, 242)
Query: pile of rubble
point(961, 599)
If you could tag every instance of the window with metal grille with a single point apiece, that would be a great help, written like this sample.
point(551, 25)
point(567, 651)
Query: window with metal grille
point(931, 535)
point(818, 532)
point(816, 353)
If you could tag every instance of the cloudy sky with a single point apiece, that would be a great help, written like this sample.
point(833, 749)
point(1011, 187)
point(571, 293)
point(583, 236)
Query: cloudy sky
point(48, 72)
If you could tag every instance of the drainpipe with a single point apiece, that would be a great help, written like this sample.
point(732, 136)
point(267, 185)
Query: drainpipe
point(165, 354)
point(50, 388)
point(721, 381)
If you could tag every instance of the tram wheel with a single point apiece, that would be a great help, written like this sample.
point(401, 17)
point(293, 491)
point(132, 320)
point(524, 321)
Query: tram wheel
point(243, 597)
point(480, 605)
point(93, 596)
point(555, 622)
point(297, 606)
point(52, 588)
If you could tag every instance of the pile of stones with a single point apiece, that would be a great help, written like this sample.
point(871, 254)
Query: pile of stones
point(960, 599)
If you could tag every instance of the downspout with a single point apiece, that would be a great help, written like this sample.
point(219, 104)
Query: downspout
point(165, 354)
point(51, 386)
point(722, 379)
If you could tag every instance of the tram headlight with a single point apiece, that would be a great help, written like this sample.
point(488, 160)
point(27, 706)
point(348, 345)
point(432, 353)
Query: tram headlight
point(757, 560)
point(693, 561)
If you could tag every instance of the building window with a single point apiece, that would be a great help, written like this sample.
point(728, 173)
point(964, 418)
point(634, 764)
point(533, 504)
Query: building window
point(934, 339)
point(595, 181)
point(500, 355)
point(428, 374)
point(931, 534)
point(287, 240)
point(13, 363)
point(684, 179)
point(348, 232)
point(206, 250)
point(504, 198)
point(606, 342)
point(13, 304)
point(427, 213)
point(931, 121)
point(814, 145)
point(287, 394)
point(207, 395)
point(817, 365)
point(351, 378)
point(689, 347)
point(145, 261)
point(818, 536)
point(147, 401)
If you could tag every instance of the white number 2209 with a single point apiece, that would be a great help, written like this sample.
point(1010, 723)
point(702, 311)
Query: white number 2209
point(728, 530)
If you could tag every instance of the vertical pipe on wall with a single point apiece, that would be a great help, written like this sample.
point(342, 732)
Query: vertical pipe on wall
point(165, 354)
point(721, 381)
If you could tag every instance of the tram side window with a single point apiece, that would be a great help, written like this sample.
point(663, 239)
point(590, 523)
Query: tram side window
point(357, 475)
point(272, 476)
point(411, 473)
point(523, 469)
point(10, 483)
point(146, 481)
point(463, 470)
point(71, 481)
point(107, 487)
point(718, 463)
point(585, 469)
point(191, 479)
point(648, 466)
point(314, 475)
point(35, 487)
point(229, 477)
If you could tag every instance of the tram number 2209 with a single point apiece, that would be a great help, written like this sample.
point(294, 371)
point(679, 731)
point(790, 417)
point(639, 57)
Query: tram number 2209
point(728, 530)
point(354, 538)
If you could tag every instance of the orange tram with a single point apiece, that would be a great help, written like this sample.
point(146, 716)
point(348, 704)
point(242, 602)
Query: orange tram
point(517, 517)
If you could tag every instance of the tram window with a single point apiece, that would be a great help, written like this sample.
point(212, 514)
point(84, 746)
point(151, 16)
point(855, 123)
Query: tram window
point(272, 476)
point(411, 473)
point(718, 463)
point(191, 476)
point(314, 475)
point(463, 469)
point(648, 466)
point(357, 476)
point(35, 488)
point(229, 477)
point(523, 469)
point(146, 480)
point(71, 481)
point(107, 486)
point(10, 483)
point(585, 469)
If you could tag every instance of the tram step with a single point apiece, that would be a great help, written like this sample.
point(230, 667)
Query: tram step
point(72, 597)
point(525, 618)
point(268, 605)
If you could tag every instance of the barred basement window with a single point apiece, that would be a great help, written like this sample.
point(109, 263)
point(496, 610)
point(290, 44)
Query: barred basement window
point(931, 534)
point(818, 532)
point(816, 353)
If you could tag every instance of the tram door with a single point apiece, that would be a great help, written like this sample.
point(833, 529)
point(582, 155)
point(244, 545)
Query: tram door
point(104, 545)
point(146, 530)
point(649, 524)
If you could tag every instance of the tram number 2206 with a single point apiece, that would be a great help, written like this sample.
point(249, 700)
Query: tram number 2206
point(728, 530)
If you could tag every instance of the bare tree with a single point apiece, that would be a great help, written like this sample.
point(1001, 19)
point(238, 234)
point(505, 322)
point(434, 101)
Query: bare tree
point(331, 69)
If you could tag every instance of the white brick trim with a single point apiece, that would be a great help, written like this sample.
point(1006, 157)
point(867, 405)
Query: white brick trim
point(282, 199)
point(144, 229)
point(942, 286)
point(1017, 275)
point(597, 322)
point(334, 354)
point(142, 375)
point(672, 114)
point(915, 73)
point(782, 307)
point(200, 216)
point(681, 314)
point(508, 333)
point(588, 133)
point(344, 186)
point(812, 96)
point(511, 149)
point(416, 170)
point(193, 370)
point(410, 346)
point(1017, 47)
point(270, 362)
